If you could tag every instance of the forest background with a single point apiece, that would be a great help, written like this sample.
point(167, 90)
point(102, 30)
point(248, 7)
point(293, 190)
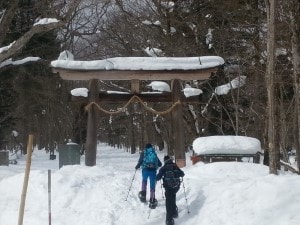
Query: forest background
point(35, 100)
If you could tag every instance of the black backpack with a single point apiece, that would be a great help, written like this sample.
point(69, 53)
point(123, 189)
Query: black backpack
point(171, 178)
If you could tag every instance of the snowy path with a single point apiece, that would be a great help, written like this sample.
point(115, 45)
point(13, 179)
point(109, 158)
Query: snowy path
point(217, 193)
point(81, 195)
point(132, 208)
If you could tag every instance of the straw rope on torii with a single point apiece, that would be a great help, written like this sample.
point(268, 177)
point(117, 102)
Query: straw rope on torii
point(132, 99)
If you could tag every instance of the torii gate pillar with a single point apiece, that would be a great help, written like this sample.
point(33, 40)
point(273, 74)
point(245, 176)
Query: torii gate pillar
point(91, 137)
point(178, 130)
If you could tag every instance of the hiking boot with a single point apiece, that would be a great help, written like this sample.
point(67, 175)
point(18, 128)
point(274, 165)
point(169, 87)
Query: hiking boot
point(152, 203)
point(170, 222)
point(142, 196)
point(175, 214)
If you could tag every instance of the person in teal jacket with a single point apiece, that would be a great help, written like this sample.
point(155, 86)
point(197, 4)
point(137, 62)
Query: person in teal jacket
point(149, 162)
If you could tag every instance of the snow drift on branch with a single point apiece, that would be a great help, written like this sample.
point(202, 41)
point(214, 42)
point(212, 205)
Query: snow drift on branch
point(235, 83)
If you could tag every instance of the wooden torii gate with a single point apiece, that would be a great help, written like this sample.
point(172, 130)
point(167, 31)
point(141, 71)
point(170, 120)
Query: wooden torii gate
point(135, 73)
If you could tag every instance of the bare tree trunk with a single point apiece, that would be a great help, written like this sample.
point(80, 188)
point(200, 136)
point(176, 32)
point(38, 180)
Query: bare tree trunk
point(7, 19)
point(270, 77)
point(295, 18)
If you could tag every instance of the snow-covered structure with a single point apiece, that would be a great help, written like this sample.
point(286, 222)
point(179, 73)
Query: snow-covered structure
point(227, 148)
point(147, 68)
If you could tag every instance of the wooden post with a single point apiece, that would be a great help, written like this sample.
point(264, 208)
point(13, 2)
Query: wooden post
point(135, 86)
point(178, 130)
point(91, 139)
point(26, 178)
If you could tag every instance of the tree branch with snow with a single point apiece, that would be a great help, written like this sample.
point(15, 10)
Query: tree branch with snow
point(41, 26)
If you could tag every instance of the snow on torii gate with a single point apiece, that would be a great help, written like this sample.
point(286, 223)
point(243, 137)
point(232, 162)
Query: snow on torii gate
point(135, 69)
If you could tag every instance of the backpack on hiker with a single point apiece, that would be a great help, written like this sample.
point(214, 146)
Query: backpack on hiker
point(171, 179)
point(150, 160)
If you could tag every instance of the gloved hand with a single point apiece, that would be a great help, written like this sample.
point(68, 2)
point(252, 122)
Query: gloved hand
point(137, 167)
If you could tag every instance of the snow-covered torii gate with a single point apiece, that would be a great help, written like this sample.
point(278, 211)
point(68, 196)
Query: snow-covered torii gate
point(134, 69)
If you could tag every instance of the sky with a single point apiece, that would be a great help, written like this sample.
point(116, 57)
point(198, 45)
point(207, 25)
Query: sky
point(227, 193)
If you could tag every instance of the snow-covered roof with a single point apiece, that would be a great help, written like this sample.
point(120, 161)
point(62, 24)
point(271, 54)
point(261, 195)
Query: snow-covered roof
point(226, 145)
point(141, 63)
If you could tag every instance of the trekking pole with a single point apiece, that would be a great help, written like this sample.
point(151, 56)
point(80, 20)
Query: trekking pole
point(131, 184)
point(149, 214)
point(187, 205)
point(162, 191)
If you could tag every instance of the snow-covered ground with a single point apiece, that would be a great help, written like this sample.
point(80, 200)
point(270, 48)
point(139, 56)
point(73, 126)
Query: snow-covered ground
point(223, 193)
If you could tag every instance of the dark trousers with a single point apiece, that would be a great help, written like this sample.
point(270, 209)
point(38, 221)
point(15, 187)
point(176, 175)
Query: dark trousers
point(171, 202)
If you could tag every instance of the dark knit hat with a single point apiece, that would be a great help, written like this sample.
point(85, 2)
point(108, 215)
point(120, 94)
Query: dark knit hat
point(148, 146)
point(166, 158)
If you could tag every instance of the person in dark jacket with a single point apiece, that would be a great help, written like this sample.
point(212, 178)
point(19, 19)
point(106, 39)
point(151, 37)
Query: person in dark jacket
point(148, 172)
point(171, 175)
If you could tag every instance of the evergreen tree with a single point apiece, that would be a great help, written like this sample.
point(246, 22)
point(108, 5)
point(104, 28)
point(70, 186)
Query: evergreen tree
point(7, 105)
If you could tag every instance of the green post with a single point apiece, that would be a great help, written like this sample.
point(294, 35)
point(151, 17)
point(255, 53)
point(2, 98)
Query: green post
point(4, 158)
point(69, 154)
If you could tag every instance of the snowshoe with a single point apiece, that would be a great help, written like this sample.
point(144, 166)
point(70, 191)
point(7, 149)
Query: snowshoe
point(152, 203)
point(142, 196)
point(170, 222)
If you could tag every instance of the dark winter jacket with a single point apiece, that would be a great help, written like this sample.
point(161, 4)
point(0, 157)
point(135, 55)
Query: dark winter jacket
point(169, 165)
point(140, 162)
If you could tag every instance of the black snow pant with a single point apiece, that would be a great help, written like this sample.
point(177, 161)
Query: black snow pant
point(171, 207)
